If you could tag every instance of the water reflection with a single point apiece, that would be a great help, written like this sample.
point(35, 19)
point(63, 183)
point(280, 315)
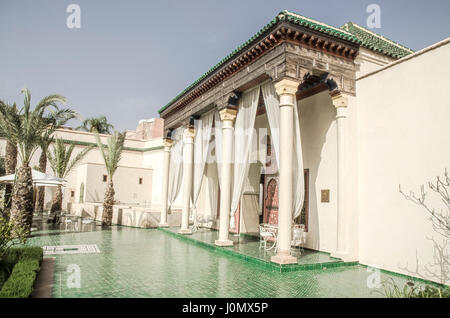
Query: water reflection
point(43, 225)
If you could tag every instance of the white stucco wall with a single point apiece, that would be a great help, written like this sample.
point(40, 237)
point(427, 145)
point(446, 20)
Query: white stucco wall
point(318, 131)
point(403, 112)
point(126, 184)
point(153, 158)
point(370, 61)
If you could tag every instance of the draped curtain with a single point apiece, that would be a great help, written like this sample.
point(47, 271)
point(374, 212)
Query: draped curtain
point(215, 155)
point(272, 104)
point(175, 166)
point(243, 138)
point(218, 144)
point(298, 172)
point(201, 149)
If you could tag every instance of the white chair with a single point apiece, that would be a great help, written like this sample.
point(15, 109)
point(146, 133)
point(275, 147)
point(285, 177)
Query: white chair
point(267, 234)
point(201, 220)
point(87, 221)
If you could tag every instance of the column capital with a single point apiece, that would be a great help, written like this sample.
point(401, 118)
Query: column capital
point(189, 132)
point(167, 142)
point(339, 100)
point(228, 113)
point(286, 86)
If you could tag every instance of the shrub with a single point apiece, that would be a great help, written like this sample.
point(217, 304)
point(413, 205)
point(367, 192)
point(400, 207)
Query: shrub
point(20, 282)
point(10, 236)
point(433, 292)
point(410, 290)
point(31, 252)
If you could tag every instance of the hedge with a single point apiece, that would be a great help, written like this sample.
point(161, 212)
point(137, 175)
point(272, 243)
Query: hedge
point(20, 282)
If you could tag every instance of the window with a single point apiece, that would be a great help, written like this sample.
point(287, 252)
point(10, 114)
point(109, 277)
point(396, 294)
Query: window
point(105, 178)
point(72, 193)
point(140, 180)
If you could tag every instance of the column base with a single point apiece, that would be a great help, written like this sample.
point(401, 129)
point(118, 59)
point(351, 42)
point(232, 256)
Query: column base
point(163, 225)
point(185, 232)
point(223, 243)
point(284, 259)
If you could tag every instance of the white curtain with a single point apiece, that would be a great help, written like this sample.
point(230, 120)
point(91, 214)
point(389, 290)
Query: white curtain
point(213, 194)
point(201, 149)
point(215, 157)
point(299, 177)
point(218, 144)
point(175, 166)
point(272, 104)
point(243, 138)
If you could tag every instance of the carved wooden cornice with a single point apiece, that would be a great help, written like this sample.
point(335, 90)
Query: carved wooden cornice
point(284, 32)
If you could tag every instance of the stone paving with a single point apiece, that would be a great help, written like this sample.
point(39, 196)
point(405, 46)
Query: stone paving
point(151, 263)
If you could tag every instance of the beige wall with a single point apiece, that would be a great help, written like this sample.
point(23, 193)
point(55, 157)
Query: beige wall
point(404, 113)
point(148, 154)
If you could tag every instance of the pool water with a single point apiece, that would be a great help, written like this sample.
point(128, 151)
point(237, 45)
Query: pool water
point(137, 262)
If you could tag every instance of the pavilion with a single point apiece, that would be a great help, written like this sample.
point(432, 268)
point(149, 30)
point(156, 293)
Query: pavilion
point(272, 134)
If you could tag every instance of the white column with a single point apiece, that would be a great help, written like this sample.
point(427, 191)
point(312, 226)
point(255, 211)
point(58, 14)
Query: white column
point(188, 164)
point(340, 102)
point(287, 90)
point(227, 115)
point(165, 182)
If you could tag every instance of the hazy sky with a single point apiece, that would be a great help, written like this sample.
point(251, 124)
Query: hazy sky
point(129, 58)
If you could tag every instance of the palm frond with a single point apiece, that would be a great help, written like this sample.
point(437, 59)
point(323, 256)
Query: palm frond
point(60, 158)
point(27, 128)
point(112, 152)
point(77, 159)
point(96, 124)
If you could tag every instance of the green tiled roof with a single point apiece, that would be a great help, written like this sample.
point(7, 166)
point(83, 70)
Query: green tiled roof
point(377, 43)
point(282, 16)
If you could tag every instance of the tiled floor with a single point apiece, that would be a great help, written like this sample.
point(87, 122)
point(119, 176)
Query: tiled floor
point(150, 263)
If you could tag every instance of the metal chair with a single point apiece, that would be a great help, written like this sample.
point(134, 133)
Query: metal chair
point(267, 234)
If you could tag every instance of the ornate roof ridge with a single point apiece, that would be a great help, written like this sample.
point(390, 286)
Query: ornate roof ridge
point(314, 21)
point(373, 46)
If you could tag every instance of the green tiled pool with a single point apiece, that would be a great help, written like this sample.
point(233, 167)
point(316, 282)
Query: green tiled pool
point(151, 263)
point(247, 247)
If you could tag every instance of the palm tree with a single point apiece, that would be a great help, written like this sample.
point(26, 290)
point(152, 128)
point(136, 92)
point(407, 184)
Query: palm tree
point(10, 158)
point(54, 120)
point(62, 164)
point(111, 154)
point(25, 129)
point(96, 124)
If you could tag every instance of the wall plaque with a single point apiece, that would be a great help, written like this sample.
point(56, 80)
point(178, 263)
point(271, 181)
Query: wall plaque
point(325, 195)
